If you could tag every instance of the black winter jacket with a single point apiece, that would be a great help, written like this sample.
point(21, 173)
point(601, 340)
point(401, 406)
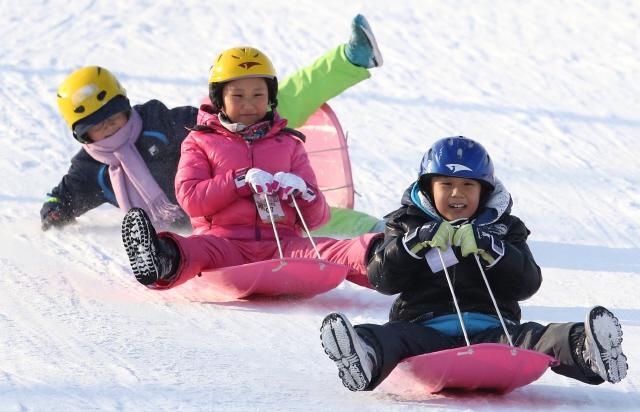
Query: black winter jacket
point(87, 184)
point(425, 295)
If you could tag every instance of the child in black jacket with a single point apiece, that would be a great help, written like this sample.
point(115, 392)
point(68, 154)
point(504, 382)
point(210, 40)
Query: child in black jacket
point(458, 208)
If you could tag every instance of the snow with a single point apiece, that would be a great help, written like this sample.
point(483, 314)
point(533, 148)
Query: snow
point(551, 88)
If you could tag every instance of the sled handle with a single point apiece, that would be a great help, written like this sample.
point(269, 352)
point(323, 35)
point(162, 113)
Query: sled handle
point(455, 300)
point(273, 223)
point(493, 299)
point(305, 226)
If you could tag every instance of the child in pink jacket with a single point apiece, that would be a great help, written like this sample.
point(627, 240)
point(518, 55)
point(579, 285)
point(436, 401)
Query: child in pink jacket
point(240, 154)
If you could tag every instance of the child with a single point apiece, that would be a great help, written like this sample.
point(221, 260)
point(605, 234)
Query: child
point(239, 153)
point(458, 206)
point(136, 165)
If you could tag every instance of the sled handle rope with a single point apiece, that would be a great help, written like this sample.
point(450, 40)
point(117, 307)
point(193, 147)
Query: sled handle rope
point(273, 223)
point(493, 299)
point(455, 300)
point(305, 226)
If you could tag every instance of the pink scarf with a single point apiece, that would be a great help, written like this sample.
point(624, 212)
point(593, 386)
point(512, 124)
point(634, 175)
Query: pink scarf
point(133, 184)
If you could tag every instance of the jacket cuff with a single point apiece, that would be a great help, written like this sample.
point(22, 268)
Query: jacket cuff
point(242, 188)
point(307, 198)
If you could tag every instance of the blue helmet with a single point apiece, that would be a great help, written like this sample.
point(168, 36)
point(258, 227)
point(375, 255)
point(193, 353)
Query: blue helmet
point(457, 157)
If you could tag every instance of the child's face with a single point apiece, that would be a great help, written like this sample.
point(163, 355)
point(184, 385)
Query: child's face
point(108, 127)
point(245, 100)
point(455, 197)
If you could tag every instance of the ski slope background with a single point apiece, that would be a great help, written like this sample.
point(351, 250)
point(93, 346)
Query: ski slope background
point(551, 88)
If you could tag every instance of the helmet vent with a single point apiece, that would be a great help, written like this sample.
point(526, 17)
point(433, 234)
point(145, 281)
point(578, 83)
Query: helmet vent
point(79, 109)
point(101, 95)
point(450, 142)
point(487, 160)
point(459, 153)
point(471, 143)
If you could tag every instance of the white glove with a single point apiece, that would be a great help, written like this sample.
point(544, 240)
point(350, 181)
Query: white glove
point(259, 181)
point(288, 184)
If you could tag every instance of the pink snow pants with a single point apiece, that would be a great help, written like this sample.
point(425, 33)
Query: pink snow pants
point(202, 253)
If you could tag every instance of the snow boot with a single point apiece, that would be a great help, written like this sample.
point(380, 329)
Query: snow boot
point(355, 359)
point(151, 257)
point(603, 350)
point(362, 49)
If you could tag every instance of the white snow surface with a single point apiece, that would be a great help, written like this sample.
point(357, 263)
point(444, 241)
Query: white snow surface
point(550, 87)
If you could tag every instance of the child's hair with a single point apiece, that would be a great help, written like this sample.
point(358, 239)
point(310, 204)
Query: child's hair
point(457, 156)
point(239, 63)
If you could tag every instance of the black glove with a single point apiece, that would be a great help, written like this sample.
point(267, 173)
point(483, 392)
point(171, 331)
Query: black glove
point(431, 234)
point(53, 214)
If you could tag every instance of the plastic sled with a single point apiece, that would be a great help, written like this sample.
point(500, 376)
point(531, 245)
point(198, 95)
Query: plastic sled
point(326, 146)
point(492, 366)
point(291, 277)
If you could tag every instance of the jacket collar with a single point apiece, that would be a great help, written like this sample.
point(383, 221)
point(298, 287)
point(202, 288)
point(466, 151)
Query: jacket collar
point(218, 121)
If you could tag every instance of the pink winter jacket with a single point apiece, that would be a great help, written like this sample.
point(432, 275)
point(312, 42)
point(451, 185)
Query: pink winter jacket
point(206, 190)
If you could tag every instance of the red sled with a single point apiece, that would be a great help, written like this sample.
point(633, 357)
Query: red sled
point(289, 277)
point(492, 366)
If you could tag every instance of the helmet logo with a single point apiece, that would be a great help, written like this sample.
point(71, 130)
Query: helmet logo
point(84, 93)
point(248, 65)
point(454, 167)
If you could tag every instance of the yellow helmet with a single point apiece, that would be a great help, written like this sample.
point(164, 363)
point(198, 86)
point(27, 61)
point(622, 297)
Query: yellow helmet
point(85, 91)
point(240, 62)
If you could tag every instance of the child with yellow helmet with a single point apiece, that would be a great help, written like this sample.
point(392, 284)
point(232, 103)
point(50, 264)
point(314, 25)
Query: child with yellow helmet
point(130, 154)
point(240, 156)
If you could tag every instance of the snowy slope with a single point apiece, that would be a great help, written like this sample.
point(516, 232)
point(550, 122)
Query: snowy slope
point(550, 87)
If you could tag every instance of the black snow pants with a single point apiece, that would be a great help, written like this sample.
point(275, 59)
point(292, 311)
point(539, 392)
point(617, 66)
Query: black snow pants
point(395, 341)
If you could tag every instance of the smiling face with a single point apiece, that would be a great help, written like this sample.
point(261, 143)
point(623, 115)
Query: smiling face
point(246, 101)
point(455, 197)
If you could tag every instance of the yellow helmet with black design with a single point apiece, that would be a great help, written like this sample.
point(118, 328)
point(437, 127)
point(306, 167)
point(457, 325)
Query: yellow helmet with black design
point(88, 96)
point(239, 63)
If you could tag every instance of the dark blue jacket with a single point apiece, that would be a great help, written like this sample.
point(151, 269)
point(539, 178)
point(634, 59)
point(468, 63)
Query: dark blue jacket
point(87, 184)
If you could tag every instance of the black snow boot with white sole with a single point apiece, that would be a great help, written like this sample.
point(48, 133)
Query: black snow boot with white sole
point(603, 345)
point(354, 358)
point(151, 258)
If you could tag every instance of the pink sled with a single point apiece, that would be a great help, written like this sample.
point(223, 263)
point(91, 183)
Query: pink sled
point(492, 366)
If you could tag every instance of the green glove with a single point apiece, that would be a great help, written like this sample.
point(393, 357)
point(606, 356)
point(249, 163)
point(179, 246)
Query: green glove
point(474, 239)
point(430, 235)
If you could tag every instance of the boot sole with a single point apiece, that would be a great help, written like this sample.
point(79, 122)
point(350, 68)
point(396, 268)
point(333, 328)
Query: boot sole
point(604, 329)
point(137, 238)
point(337, 341)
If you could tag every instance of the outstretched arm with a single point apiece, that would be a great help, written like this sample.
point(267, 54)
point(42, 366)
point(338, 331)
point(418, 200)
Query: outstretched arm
point(85, 186)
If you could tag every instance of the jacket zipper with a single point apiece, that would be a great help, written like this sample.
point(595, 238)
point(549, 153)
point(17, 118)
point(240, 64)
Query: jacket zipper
point(257, 215)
